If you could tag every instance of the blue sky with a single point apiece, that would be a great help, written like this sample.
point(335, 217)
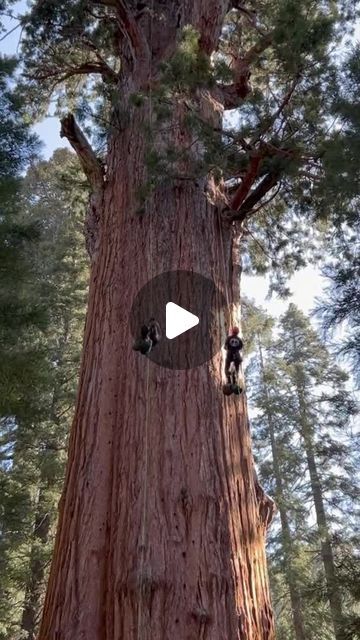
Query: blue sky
point(49, 129)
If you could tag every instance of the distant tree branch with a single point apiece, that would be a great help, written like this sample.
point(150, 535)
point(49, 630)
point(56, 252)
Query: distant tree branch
point(232, 95)
point(247, 182)
point(86, 68)
point(285, 101)
point(8, 33)
point(264, 203)
point(243, 200)
point(88, 160)
point(106, 3)
point(107, 70)
point(258, 48)
point(250, 15)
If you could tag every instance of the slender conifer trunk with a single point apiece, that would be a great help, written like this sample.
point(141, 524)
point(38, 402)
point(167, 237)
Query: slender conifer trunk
point(333, 592)
point(35, 586)
point(286, 537)
point(327, 555)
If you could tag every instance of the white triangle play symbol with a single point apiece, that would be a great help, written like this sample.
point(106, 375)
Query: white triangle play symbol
point(178, 320)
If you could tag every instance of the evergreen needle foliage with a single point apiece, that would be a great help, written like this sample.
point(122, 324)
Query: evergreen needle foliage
point(43, 299)
point(284, 119)
point(307, 457)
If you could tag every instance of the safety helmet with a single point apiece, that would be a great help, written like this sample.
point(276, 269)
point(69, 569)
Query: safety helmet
point(235, 331)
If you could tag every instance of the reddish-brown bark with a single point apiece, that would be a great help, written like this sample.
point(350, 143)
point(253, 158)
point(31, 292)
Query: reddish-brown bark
point(162, 524)
point(247, 182)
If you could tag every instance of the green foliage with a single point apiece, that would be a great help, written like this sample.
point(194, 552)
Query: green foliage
point(256, 323)
point(338, 194)
point(292, 369)
point(18, 145)
point(308, 28)
point(38, 373)
point(74, 53)
point(189, 68)
point(341, 304)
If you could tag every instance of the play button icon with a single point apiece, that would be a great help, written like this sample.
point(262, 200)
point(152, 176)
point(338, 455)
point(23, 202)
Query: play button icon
point(178, 320)
point(191, 313)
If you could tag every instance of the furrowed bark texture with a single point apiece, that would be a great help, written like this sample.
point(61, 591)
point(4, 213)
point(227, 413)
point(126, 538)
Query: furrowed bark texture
point(162, 526)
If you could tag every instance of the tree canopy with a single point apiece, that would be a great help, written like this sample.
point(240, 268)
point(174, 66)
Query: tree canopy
point(274, 72)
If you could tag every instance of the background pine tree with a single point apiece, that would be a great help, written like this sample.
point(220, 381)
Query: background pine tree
point(51, 198)
point(338, 192)
point(307, 459)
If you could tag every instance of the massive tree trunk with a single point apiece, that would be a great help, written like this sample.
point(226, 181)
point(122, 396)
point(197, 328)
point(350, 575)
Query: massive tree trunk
point(162, 524)
point(286, 538)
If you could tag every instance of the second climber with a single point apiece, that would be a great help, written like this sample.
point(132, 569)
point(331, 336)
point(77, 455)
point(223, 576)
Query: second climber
point(233, 346)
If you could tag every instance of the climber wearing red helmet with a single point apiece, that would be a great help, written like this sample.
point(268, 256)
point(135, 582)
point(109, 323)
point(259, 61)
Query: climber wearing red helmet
point(233, 346)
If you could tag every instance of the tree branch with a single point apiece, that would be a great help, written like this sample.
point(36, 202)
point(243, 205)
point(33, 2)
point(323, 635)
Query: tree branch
point(106, 3)
point(138, 44)
point(270, 180)
point(258, 48)
point(232, 95)
point(247, 182)
point(88, 160)
point(83, 69)
point(285, 101)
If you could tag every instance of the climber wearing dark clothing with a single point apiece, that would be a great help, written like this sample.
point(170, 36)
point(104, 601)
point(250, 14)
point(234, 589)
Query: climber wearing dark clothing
point(233, 346)
point(154, 332)
point(150, 335)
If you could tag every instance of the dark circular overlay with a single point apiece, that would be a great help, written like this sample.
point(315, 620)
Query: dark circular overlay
point(196, 294)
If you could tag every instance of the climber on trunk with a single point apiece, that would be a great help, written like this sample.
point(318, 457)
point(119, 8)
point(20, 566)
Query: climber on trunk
point(150, 335)
point(233, 346)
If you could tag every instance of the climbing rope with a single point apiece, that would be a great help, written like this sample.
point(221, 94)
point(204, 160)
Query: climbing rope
point(147, 396)
point(221, 260)
point(227, 296)
point(223, 264)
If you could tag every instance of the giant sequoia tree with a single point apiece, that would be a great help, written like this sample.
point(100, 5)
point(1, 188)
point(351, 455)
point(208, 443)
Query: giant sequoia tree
point(162, 523)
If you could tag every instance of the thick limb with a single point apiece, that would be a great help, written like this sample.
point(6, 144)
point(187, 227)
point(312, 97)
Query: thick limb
point(91, 165)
